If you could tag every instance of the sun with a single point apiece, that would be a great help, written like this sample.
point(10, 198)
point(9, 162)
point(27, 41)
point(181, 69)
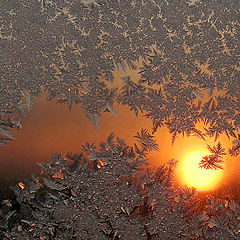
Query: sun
point(191, 175)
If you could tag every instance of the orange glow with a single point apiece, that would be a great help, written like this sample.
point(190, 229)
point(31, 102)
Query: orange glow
point(191, 175)
point(101, 164)
point(59, 175)
point(21, 185)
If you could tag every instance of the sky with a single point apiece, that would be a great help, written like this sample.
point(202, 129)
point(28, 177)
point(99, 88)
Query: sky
point(50, 127)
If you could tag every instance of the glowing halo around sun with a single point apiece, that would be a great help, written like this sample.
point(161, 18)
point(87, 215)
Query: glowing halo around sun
point(192, 175)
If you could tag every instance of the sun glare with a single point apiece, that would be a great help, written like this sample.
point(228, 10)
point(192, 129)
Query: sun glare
point(191, 175)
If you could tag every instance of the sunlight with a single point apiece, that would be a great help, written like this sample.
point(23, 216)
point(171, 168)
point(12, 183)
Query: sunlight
point(191, 175)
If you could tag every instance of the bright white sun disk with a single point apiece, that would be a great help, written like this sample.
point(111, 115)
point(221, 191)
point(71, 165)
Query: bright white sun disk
point(191, 175)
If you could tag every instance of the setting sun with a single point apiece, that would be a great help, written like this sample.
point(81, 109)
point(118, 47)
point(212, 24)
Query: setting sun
point(192, 175)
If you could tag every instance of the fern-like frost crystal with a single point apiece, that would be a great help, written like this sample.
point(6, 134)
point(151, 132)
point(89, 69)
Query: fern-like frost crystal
point(214, 160)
